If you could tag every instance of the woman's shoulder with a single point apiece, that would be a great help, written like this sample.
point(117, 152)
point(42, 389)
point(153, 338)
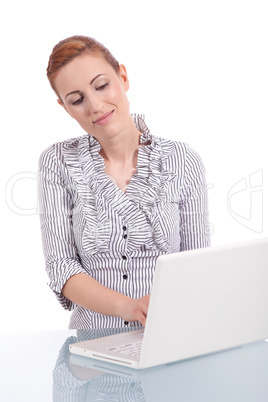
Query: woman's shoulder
point(179, 153)
point(71, 143)
point(172, 148)
point(58, 149)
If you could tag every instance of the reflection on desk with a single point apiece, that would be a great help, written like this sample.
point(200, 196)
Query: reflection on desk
point(75, 380)
point(239, 374)
point(37, 366)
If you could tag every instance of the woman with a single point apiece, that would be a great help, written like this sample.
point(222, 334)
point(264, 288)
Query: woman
point(113, 200)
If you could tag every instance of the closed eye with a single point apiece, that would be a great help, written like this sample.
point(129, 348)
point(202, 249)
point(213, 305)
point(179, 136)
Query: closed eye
point(78, 101)
point(102, 87)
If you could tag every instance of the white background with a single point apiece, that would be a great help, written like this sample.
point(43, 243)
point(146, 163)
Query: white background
point(198, 71)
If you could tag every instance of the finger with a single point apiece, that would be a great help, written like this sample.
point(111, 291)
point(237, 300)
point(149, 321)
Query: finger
point(142, 318)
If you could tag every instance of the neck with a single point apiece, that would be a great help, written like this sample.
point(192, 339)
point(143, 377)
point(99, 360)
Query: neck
point(123, 148)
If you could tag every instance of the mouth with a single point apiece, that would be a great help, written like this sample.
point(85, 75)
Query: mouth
point(104, 119)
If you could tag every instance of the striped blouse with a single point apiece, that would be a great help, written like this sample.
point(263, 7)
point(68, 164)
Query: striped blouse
point(90, 226)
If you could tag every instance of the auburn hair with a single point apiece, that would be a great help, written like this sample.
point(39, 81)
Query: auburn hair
point(74, 46)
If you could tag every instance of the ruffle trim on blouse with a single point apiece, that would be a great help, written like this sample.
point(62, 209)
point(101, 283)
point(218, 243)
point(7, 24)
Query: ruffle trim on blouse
point(146, 189)
point(152, 177)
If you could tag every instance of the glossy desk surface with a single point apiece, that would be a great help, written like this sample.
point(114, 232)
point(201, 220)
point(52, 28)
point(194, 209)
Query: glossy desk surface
point(37, 366)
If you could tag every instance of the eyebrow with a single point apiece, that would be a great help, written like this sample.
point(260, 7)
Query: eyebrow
point(78, 92)
point(73, 92)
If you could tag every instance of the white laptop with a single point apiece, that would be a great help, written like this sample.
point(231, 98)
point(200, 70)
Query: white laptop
point(202, 301)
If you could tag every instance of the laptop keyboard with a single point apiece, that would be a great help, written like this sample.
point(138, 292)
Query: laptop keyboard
point(130, 349)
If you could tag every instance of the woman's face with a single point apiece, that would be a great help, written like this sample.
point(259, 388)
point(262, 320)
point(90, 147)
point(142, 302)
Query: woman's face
point(94, 95)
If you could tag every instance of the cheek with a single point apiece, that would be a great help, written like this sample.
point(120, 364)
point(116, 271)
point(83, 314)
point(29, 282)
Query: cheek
point(118, 95)
point(73, 115)
point(76, 113)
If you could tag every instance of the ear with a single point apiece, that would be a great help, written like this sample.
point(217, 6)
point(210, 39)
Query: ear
point(60, 103)
point(124, 77)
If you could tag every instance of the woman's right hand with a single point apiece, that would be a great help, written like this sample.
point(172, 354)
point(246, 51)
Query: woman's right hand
point(134, 309)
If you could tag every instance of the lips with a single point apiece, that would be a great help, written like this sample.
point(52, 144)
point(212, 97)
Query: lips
point(104, 119)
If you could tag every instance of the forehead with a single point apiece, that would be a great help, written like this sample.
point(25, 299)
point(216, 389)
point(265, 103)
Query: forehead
point(80, 71)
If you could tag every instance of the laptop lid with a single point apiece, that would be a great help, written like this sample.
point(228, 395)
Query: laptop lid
point(207, 300)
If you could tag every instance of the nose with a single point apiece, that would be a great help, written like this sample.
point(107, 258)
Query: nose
point(94, 103)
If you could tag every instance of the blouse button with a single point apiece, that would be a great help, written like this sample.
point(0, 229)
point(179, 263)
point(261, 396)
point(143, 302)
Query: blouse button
point(124, 228)
point(124, 276)
point(126, 322)
point(124, 236)
point(124, 257)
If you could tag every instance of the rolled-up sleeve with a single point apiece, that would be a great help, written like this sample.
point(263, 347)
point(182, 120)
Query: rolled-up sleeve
point(55, 210)
point(194, 223)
